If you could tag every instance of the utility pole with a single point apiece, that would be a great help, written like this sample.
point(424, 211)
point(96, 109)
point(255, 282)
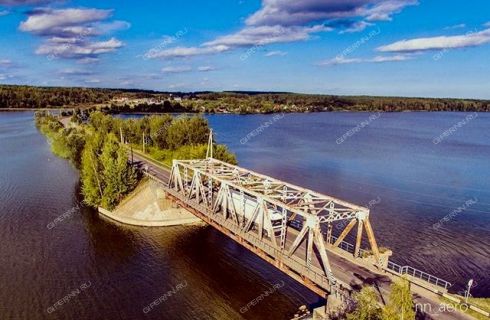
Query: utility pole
point(132, 160)
point(467, 293)
point(209, 151)
point(144, 147)
point(120, 132)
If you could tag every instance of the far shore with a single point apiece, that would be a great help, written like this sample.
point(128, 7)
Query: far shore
point(229, 113)
point(32, 109)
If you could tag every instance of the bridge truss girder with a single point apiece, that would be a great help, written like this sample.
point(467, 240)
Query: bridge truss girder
point(217, 185)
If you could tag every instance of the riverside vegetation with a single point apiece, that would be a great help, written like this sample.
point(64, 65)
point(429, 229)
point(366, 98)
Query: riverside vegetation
point(365, 305)
point(124, 100)
point(93, 146)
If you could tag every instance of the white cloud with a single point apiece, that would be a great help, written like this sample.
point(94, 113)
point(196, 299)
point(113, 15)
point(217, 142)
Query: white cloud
point(382, 11)
point(49, 22)
point(181, 52)
point(264, 35)
point(340, 60)
point(377, 59)
point(75, 72)
point(5, 63)
point(71, 33)
point(87, 60)
point(22, 2)
point(281, 21)
point(78, 50)
point(398, 57)
point(206, 68)
point(439, 43)
point(117, 25)
point(178, 69)
point(456, 26)
point(4, 76)
point(288, 13)
point(249, 36)
point(357, 26)
point(92, 81)
point(275, 53)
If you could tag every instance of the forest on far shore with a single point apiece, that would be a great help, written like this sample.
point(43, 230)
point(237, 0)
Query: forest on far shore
point(123, 100)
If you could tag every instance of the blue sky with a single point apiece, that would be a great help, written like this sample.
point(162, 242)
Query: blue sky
point(369, 47)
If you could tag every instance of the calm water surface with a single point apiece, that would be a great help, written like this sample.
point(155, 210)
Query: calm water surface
point(107, 271)
point(393, 164)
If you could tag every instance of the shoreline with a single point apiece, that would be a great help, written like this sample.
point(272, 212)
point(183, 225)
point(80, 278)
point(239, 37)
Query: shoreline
point(146, 113)
point(31, 109)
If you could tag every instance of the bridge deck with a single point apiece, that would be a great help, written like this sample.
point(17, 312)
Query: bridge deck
point(349, 274)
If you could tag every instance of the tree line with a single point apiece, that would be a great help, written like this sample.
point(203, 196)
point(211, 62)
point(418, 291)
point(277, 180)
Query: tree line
point(219, 102)
point(292, 102)
point(105, 174)
point(38, 98)
point(93, 144)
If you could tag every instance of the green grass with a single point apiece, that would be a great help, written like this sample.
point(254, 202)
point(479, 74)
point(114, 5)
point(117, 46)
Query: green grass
point(139, 151)
point(165, 156)
point(182, 153)
point(482, 303)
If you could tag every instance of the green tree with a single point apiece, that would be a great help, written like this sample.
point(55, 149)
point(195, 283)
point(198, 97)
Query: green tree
point(400, 305)
point(158, 130)
point(222, 153)
point(366, 303)
point(187, 131)
point(91, 170)
point(103, 123)
point(119, 177)
point(75, 142)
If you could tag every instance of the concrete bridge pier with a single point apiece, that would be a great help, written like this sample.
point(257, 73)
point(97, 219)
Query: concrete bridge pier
point(333, 304)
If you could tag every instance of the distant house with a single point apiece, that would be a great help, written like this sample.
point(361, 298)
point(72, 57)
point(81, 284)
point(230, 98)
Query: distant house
point(120, 100)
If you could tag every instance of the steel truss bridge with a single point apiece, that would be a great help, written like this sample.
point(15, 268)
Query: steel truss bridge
point(282, 223)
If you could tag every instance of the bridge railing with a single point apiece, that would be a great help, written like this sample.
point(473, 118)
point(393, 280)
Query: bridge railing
point(346, 246)
point(401, 270)
point(294, 263)
point(419, 274)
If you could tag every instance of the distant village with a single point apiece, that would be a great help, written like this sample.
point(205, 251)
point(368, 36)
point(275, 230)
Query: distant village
point(132, 102)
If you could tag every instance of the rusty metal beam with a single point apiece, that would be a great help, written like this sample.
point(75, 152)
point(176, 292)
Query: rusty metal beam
point(345, 232)
point(358, 238)
point(296, 276)
point(372, 239)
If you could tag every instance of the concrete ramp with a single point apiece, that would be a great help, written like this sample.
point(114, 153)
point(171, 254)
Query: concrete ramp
point(148, 206)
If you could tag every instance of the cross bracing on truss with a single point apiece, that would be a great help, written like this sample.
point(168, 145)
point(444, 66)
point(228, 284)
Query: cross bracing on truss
point(263, 205)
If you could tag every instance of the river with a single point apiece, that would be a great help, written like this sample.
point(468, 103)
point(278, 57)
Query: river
point(60, 260)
